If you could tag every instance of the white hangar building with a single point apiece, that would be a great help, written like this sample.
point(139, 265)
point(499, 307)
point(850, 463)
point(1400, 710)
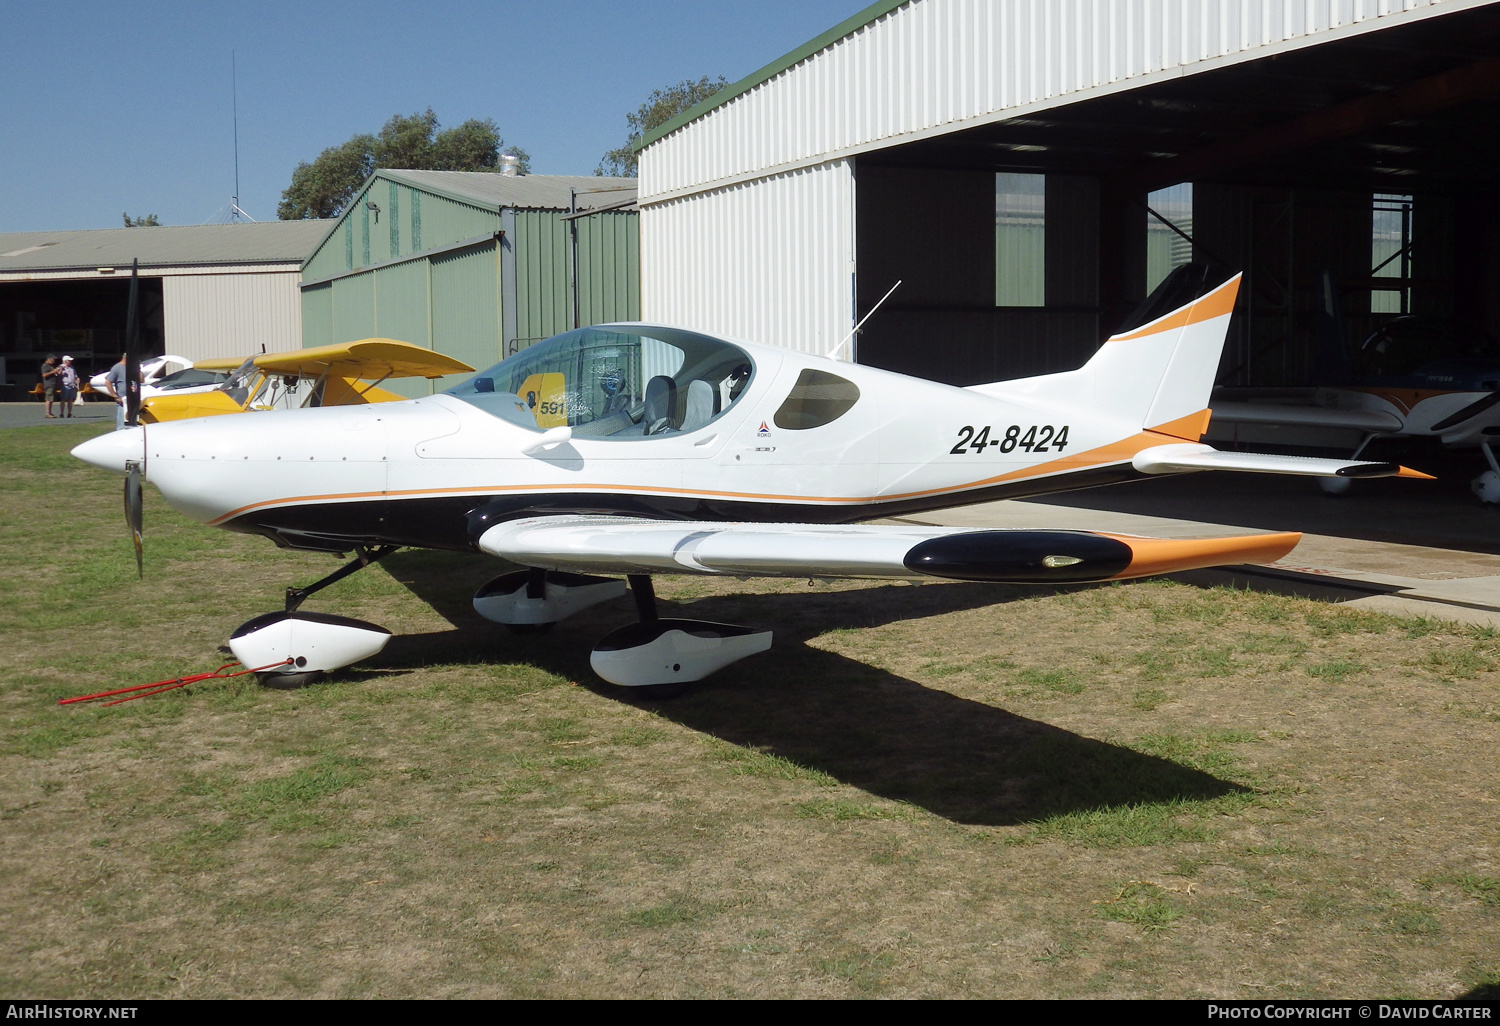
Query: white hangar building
point(212, 290)
point(1029, 168)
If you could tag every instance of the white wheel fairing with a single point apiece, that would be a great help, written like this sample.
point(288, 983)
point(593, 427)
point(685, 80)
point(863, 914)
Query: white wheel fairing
point(1486, 487)
point(505, 599)
point(673, 651)
point(305, 642)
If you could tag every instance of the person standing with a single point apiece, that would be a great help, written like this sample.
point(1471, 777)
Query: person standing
point(69, 377)
point(51, 382)
point(114, 384)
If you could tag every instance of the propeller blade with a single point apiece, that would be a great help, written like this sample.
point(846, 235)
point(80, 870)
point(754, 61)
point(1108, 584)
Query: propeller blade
point(133, 512)
point(133, 349)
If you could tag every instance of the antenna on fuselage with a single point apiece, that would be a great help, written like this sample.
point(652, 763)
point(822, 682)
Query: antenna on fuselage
point(845, 340)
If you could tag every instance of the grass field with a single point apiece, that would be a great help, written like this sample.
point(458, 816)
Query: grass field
point(1148, 790)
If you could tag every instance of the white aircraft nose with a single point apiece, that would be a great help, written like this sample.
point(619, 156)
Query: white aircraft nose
point(112, 450)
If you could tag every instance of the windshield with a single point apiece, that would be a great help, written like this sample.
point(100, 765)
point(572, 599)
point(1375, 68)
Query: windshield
point(190, 377)
point(239, 382)
point(614, 382)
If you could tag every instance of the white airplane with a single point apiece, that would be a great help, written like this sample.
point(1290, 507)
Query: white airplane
point(167, 375)
point(630, 450)
point(1415, 377)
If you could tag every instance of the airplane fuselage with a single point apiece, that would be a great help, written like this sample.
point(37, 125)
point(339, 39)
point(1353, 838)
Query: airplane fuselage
point(437, 471)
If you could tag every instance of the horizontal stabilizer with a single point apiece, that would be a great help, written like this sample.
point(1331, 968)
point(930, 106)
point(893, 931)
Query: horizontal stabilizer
point(622, 545)
point(1178, 459)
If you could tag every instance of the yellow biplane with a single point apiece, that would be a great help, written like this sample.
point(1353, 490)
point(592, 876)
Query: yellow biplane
point(345, 374)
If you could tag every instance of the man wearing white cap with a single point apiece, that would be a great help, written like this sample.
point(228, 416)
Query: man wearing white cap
point(69, 378)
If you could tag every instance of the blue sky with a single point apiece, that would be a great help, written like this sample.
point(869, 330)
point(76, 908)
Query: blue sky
point(113, 107)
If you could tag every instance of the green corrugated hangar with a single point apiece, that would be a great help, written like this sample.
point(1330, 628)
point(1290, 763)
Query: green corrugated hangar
point(474, 264)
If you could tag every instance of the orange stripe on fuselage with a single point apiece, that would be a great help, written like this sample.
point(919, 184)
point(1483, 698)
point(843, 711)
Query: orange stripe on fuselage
point(1105, 455)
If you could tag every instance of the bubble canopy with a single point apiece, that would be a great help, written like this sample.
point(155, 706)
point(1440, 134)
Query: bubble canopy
point(616, 382)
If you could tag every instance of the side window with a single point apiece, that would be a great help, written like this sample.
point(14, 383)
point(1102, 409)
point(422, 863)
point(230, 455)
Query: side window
point(816, 399)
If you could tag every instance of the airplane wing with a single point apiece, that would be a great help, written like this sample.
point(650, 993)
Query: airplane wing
point(220, 363)
point(624, 545)
point(368, 358)
point(1177, 459)
point(1371, 421)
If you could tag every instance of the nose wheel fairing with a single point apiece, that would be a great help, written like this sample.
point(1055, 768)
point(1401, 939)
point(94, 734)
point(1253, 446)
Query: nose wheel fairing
point(289, 649)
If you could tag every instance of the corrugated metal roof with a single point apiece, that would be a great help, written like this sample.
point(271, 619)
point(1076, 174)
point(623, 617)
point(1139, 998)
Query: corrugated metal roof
point(879, 9)
point(922, 69)
point(266, 242)
point(522, 192)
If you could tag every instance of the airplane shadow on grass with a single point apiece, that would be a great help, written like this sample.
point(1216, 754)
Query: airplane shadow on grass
point(967, 761)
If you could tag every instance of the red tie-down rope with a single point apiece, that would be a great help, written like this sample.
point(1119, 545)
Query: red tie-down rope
point(157, 687)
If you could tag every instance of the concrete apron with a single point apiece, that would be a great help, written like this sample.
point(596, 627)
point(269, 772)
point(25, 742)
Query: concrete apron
point(32, 414)
point(1381, 576)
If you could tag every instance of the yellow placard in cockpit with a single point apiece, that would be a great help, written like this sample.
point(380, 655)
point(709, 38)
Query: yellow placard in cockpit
point(546, 396)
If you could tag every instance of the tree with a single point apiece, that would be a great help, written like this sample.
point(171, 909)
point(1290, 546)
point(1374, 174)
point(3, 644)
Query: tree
point(325, 187)
point(149, 221)
point(660, 107)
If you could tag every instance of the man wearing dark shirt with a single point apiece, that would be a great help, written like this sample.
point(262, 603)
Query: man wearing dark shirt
point(114, 384)
point(51, 381)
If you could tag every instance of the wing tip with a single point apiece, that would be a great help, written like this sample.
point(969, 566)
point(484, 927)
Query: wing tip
point(1416, 475)
point(1152, 556)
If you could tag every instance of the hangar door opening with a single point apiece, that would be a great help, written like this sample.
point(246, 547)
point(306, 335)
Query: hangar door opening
point(83, 319)
point(998, 270)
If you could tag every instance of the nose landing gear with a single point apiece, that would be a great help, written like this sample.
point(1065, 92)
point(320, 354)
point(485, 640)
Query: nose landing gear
point(309, 645)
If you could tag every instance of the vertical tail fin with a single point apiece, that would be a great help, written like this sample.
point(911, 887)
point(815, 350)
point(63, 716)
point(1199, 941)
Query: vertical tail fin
point(1157, 372)
point(1158, 376)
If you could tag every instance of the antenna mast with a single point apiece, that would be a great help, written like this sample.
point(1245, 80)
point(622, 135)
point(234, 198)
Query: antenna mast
point(235, 213)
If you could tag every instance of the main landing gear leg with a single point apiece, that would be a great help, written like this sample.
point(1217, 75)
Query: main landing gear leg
point(304, 646)
point(660, 657)
point(645, 597)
